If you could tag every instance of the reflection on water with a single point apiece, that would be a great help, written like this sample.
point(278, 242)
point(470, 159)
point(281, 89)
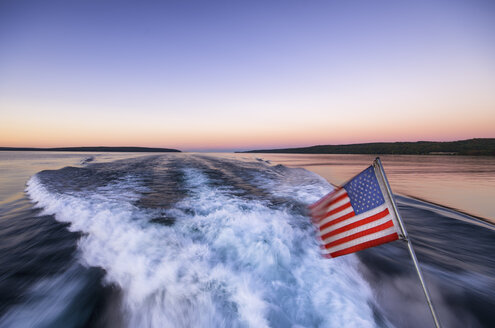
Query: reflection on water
point(184, 240)
point(17, 166)
point(466, 183)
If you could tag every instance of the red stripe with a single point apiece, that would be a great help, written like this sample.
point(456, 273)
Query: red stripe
point(363, 233)
point(324, 198)
point(368, 244)
point(340, 219)
point(318, 209)
point(356, 224)
point(334, 211)
point(338, 199)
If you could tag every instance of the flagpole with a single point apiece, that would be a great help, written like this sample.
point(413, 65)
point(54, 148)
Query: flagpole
point(409, 244)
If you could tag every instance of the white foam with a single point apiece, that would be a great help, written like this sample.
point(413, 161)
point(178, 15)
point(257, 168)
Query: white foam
point(229, 262)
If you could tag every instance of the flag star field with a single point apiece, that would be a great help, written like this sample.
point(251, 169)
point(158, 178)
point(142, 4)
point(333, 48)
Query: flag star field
point(364, 191)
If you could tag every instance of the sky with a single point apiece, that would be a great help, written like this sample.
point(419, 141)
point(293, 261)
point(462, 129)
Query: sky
point(237, 75)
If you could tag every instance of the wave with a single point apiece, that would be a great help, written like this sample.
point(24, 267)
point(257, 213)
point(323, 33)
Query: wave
point(206, 242)
point(87, 160)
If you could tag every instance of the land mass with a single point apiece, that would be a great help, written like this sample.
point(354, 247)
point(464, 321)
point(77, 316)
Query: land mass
point(96, 149)
point(473, 147)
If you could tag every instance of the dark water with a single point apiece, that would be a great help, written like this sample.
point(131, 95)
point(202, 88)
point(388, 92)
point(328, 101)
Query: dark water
point(181, 240)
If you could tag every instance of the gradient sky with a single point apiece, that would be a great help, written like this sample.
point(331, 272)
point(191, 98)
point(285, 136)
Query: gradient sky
point(232, 75)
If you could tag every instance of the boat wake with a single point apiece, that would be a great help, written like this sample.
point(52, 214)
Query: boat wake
point(196, 241)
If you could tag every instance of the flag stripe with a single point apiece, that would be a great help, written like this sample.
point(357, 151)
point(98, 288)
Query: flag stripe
point(356, 224)
point(335, 216)
point(358, 229)
point(337, 220)
point(322, 213)
point(356, 218)
point(325, 212)
point(362, 239)
point(338, 198)
point(336, 210)
point(334, 205)
point(360, 234)
point(323, 202)
point(368, 244)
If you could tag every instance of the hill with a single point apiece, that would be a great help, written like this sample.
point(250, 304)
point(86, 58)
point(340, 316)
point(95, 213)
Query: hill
point(474, 147)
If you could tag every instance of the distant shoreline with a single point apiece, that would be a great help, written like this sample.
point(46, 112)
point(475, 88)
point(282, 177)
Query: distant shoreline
point(470, 147)
point(96, 149)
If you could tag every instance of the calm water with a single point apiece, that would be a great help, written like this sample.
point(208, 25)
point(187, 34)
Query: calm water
point(17, 166)
point(462, 182)
point(223, 240)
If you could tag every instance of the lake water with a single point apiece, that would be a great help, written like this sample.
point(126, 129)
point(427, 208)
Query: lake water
point(466, 183)
point(224, 240)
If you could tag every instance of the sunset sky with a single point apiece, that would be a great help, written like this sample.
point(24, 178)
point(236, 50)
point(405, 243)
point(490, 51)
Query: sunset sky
point(234, 75)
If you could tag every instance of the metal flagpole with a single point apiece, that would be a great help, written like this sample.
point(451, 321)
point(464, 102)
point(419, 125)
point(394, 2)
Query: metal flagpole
point(409, 244)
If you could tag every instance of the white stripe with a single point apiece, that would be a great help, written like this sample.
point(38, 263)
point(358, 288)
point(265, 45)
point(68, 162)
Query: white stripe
point(336, 216)
point(340, 192)
point(322, 207)
point(356, 218)
point(339, 203)
point(328, 198)
point(361, 240)
point(325, 211)
point(370, 225)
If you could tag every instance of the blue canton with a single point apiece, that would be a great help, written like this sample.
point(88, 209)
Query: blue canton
point(364, 191)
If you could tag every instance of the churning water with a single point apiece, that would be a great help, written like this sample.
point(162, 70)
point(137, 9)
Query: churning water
point(199, 241)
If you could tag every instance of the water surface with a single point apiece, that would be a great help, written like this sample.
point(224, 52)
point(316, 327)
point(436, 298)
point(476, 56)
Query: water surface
point(466, 183)
point(182, 240)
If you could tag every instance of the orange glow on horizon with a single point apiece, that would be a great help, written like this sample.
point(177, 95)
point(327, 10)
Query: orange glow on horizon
point(207, 138)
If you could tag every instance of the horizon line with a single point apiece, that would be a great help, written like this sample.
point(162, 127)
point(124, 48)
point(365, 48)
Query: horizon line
point(226, 149)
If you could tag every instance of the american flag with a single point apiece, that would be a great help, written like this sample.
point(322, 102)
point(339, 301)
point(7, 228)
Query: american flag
point(356, 216)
